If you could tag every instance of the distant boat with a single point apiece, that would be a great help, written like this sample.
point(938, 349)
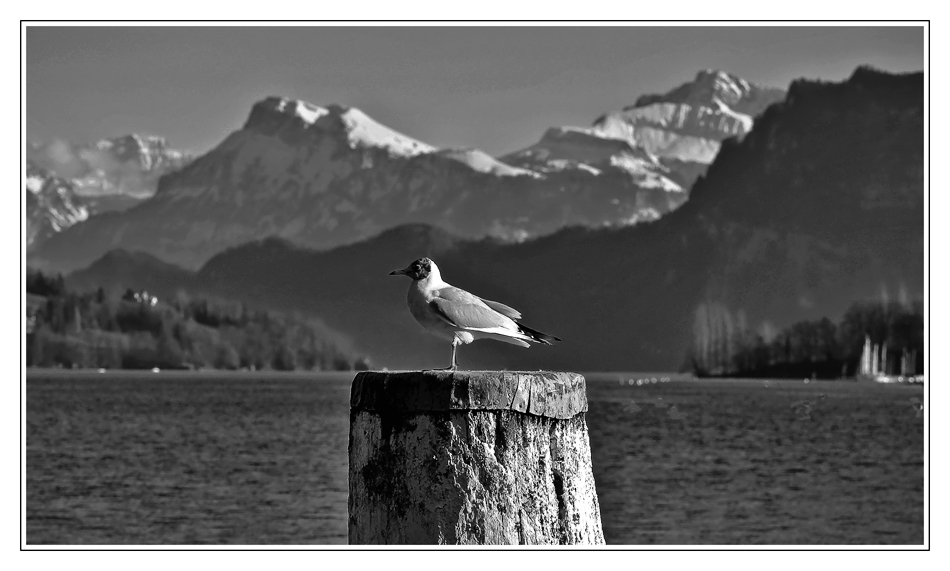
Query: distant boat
point(875, 365)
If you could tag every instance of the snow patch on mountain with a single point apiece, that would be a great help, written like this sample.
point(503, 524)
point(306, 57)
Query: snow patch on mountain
point(588, 168)
point(364, 131)
point(307, 112)
point(51, 205)
point(644, 172)
point(668, 144)
point(593, 152)
point(643, 215)
point(742, 122)
point(149, 151)
point(480, 161)
point(34, 183)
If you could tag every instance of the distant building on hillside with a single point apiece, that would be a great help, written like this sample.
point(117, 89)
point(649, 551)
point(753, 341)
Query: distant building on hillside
point(140, 297)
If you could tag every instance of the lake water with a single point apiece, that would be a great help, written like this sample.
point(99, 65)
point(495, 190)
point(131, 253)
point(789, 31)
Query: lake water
point(141, 458)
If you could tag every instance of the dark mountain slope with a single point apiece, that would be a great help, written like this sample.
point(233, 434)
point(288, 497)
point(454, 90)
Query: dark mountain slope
point(568, 284)
point(121, 269)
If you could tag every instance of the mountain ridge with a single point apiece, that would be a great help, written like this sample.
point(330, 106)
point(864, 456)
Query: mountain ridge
point(327, 176)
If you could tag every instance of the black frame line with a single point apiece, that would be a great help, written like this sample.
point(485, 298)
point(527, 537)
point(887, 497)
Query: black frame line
point(778, 23)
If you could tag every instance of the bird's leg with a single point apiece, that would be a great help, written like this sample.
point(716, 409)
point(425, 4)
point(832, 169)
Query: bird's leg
point(454, 366)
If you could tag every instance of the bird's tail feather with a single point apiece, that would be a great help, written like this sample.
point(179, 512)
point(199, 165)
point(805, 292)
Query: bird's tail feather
point(536, 335)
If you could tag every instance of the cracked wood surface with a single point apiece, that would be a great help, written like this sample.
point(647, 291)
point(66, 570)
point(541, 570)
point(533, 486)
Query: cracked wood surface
point(471, 457)
point(543, 393)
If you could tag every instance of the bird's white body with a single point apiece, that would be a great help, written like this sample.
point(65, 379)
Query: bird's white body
point(459, 316)
point(425, 291)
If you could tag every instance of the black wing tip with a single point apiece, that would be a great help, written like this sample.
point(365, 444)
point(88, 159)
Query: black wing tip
point(548, 339)
point(538, 336)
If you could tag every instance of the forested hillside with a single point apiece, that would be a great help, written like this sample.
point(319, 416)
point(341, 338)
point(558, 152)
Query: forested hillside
point(138, 331)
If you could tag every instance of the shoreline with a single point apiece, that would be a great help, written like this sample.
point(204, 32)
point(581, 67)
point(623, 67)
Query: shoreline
point(624, 378)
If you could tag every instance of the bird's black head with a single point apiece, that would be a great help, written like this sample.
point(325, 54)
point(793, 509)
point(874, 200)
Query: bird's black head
point(418, 270)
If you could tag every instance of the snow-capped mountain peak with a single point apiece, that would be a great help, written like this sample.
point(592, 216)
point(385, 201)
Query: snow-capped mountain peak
point(685, 126)
point(360, 129)
point(708, 84)
point(724, 84)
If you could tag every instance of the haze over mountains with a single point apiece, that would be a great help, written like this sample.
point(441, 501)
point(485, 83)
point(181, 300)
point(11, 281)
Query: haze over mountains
point(131, 164)
point(818, 205)
point(68, 182)
point(326, 176)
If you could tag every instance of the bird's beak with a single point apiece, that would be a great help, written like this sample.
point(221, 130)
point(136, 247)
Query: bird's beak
point(398, 272)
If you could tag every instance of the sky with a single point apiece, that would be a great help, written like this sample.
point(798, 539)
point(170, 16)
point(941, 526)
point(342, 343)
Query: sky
point(493, 88)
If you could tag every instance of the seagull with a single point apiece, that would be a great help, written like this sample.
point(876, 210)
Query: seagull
point(461, 317)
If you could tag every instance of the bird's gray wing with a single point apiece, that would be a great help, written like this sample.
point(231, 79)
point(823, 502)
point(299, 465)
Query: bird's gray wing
point(462, 309)
point(503, 309)
point(455, 294)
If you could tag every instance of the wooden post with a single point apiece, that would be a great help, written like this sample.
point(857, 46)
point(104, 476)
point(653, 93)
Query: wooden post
point(471, 457)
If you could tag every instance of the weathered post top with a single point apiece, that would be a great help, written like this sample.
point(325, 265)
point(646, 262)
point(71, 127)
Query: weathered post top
point(542, 393)
point(470, 457)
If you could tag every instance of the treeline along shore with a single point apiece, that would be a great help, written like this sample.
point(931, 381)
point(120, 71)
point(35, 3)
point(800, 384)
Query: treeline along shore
point(808, 349)
point(139, 331)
